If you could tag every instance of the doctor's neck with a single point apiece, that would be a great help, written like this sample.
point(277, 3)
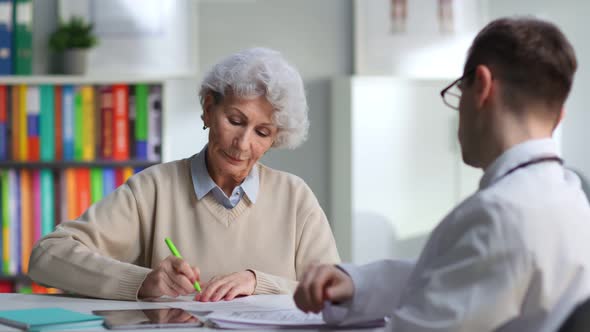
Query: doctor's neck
point(511, 128)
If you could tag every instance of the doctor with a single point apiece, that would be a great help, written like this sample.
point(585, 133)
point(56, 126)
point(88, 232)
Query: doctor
point(514, 255)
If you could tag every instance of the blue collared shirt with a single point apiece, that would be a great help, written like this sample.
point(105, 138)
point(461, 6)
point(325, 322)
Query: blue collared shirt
point(203, 183)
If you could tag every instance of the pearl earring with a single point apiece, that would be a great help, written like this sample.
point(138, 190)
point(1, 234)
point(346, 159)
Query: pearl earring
point(204, 127)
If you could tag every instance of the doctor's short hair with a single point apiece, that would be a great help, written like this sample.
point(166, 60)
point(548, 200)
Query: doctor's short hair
point(533, 59)
point(263, 72)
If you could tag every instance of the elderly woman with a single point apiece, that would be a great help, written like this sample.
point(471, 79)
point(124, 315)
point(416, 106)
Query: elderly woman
point(241, 227)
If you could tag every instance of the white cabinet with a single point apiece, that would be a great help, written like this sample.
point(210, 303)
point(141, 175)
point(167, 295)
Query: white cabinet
point(396, 167)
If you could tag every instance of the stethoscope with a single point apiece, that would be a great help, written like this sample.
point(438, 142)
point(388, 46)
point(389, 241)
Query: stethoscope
point(532, 162)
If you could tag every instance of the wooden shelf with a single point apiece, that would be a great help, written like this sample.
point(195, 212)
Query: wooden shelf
point(19, 277)
point(74, 164)
point(89, 79)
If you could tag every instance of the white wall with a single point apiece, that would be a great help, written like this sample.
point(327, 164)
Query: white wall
point(157, 38)
point(570, 16)
point(315, 36)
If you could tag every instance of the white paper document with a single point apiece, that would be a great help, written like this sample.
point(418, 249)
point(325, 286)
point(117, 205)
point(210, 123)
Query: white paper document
point(248, 303)
point(275, 319)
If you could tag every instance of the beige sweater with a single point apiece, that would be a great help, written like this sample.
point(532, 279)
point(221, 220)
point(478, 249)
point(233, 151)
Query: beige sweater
point(110, 249)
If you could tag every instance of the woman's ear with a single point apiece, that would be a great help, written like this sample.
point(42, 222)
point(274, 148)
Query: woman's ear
point(208, 104)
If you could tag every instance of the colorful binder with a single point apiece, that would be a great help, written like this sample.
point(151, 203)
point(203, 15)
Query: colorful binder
point(33, 111)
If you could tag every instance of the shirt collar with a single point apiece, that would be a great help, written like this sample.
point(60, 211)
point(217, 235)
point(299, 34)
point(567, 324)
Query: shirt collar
point(203, 183)
point(518, 154)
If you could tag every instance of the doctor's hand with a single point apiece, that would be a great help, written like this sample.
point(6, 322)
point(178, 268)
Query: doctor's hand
point(322, 283)
point(227, 287)
point(172, 277)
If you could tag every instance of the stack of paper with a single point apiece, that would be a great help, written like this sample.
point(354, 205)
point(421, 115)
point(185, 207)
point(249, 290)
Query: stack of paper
point(291, 318)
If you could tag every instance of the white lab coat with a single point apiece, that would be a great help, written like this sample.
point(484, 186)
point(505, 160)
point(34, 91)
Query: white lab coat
point(515, 256)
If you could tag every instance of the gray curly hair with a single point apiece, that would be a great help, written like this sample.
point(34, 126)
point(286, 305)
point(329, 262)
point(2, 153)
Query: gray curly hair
point(263, 72)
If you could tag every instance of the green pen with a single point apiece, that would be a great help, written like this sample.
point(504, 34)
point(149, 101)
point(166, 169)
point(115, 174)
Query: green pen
point(175, 252)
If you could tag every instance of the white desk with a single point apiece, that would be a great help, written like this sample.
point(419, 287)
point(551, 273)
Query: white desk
point(87, 305)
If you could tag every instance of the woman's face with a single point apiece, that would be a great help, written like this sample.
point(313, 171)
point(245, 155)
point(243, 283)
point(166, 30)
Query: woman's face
point(241, 131)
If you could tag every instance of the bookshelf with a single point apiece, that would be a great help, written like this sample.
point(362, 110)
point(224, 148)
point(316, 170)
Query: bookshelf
point(28, 175)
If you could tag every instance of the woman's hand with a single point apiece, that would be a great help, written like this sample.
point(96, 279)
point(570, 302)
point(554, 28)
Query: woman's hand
point(322, 283)
point(172, 277)
point(227, 287)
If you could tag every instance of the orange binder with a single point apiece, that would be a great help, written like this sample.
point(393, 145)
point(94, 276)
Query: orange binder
point(72, 201)
point(83, 186)
point(26, 185)
point(121, 121)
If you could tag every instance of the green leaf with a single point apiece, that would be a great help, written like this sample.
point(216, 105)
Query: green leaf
point(73, 34)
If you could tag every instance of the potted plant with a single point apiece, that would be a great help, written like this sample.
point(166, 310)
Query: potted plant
point(71, 41)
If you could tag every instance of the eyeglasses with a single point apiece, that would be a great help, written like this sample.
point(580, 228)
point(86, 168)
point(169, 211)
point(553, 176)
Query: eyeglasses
point(451, 95)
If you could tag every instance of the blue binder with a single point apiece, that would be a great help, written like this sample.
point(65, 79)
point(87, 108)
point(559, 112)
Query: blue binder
point(67, 109)
point(6, 37)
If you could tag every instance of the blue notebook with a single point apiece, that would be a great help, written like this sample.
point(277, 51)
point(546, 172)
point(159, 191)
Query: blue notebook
point(48, 319)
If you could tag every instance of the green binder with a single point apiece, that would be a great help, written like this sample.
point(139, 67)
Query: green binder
point(47, 123)
point(23, 37)
point(4, 186)
point(78, 126)
point(47, 202)
point(141, 112)
point(96, 187)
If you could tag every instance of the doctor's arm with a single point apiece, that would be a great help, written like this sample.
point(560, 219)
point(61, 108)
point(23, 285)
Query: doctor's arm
point(475, 278)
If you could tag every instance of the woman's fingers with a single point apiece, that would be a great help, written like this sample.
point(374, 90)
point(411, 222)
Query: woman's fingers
point(210, 289)
point(232, 293)
point(182, 267)
point(181, 283)
point(173, 276)
point(222, 290)
point(181, 274)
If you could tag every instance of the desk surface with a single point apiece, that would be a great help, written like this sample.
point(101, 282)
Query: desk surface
point(87, 305)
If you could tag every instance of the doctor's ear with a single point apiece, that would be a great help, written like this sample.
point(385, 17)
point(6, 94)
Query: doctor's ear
point(484, 84)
